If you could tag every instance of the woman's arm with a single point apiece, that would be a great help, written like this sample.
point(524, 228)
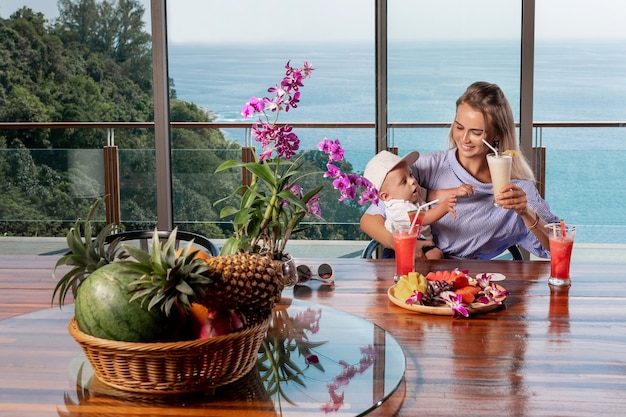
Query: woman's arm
point(374, 226)
point(515, 199)
point(536, 224)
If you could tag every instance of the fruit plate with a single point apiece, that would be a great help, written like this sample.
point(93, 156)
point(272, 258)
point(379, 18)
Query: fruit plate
point(443, 310)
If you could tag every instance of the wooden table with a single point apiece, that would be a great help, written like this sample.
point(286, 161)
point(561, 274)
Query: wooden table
point(545, 354)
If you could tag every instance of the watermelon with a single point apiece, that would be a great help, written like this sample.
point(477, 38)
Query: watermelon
point(103, 309)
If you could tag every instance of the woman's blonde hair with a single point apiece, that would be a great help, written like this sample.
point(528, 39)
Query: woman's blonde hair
point(489, 99)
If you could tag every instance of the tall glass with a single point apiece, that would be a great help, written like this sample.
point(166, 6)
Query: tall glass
point(500, 170)
point(404, 240)
point(561, 245)
point(419, 223)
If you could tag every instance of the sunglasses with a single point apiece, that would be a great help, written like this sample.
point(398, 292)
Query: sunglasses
point(325, 274)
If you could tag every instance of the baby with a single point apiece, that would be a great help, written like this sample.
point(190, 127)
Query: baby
point(401, 194)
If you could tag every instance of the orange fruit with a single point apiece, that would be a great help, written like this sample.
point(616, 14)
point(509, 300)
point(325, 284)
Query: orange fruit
point(459, 281)
point(197, 317)
point(468, 293)
point(200, 254)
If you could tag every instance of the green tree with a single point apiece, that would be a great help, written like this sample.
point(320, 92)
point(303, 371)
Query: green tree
point(114, 29)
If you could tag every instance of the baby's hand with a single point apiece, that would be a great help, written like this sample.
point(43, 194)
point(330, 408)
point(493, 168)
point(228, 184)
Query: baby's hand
point(465, 190)
point(450, 204)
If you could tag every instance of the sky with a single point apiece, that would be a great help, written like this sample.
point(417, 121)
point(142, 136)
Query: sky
point(254, 21)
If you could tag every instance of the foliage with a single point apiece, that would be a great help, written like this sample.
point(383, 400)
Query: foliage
point(86, 253)
point(286, 335)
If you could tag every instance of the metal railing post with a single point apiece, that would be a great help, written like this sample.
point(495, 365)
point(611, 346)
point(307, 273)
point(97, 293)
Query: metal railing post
point(162, 133)
point(381, 75)
point(112, 180)
point(527, 68)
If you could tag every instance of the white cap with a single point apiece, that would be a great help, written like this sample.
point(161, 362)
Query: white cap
point(384, 161)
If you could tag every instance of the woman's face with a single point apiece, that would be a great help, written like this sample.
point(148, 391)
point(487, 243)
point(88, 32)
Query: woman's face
point(468, 132)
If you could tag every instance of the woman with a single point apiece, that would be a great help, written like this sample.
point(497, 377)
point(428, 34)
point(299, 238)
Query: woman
point(480, 229)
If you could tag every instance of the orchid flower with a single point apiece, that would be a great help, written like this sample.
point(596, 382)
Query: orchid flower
point(493, 294)
point(455, 301)
point(415, 298)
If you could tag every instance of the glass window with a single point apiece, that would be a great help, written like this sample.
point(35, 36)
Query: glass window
point(219, 57)
point(435, 52)
point(75, 64)
point(580, 76)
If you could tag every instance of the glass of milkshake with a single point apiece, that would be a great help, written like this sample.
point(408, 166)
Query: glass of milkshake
point(500, 170)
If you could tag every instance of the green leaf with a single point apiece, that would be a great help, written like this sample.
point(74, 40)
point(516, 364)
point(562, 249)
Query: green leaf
point(140, 255)
point(229, 164)
point(230, 246)
point(262, 171)
point(241, 189)
point(228, 211)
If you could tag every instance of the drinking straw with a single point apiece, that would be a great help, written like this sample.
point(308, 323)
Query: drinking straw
point(491, 147)
point(563, 228)
point(420, 208)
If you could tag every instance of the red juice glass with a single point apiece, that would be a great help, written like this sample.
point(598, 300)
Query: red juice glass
point(404, 240)
point(561, 244)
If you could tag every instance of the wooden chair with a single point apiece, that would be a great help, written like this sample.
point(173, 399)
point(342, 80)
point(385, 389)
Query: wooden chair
point(371, 252)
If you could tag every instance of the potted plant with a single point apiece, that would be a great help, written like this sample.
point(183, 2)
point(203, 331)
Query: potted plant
point(274, 204)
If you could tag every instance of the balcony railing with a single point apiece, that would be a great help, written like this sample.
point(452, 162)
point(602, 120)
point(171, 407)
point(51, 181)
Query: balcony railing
point(608, 182)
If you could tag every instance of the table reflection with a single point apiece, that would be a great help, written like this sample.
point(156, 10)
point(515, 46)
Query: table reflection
point(314, 360)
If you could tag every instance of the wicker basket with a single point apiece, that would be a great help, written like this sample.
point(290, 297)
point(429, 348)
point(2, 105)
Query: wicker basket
point(176, 367)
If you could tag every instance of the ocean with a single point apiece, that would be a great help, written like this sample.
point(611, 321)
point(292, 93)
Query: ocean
point(574, 81)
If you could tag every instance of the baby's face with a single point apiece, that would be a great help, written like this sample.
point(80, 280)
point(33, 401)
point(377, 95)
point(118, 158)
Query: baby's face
point(400, 184)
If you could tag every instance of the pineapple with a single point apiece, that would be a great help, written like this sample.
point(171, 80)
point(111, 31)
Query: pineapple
point(167, 278)
point(248, 282)
point(85, 254)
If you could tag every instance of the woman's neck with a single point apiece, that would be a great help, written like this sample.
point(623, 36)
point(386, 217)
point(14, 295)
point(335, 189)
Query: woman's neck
point(476, 166)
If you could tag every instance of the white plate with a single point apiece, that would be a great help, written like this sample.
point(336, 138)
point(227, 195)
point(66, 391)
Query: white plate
point(495, 276)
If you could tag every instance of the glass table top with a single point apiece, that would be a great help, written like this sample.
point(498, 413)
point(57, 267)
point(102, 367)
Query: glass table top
point(314, 360)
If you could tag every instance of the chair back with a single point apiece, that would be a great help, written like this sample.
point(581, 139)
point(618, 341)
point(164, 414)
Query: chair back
point(145, 236)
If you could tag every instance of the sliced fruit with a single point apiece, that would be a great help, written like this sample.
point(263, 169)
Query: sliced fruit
point(403, 290)
point(468, 293)
point(459, 281)
point(408, 284)
point(417, 282)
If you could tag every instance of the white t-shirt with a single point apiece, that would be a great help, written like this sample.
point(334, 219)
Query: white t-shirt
point(397, 212)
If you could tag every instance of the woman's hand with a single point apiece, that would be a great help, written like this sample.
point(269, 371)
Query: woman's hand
point(513, 199)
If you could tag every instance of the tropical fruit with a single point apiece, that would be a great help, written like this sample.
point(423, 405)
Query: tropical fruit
point(103, 309)
point(249, 282)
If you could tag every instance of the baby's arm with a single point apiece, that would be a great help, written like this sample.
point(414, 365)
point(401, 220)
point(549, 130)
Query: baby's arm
point(447, 202)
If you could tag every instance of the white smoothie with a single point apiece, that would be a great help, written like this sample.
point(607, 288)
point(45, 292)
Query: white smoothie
point(500, 170)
